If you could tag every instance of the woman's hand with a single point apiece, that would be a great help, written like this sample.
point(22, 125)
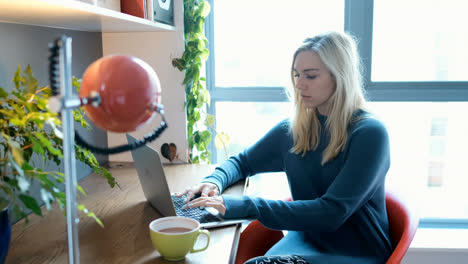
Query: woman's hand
point(217, 202)
point(206, 188)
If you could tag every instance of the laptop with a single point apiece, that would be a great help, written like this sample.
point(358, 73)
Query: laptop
point(154, 184)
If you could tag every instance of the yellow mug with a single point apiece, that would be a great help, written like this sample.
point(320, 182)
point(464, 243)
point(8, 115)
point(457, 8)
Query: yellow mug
point(175, 236)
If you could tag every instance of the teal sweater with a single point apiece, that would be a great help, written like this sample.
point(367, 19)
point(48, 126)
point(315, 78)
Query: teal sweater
point(338, 210)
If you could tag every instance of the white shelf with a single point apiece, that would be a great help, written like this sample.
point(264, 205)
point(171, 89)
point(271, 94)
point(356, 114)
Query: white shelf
point(74, 15)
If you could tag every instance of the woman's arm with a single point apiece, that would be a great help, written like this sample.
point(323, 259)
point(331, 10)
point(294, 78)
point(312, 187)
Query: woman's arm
point(367, 162)
point(266, 155)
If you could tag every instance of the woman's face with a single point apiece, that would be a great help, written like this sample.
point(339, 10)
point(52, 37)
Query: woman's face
point(314, 82)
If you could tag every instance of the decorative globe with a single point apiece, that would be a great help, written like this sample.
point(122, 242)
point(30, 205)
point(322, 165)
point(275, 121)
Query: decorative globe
point(129, 89)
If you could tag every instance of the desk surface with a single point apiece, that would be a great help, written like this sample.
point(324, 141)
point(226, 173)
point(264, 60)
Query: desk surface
point(126, 216)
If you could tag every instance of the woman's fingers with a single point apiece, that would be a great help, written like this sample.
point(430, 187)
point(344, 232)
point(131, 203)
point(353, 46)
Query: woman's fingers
point(218, 206)
point(184, 192)
point(205, 190)
point(190, 192)
point(197, 202)
point(216, 202)
point(208, 189)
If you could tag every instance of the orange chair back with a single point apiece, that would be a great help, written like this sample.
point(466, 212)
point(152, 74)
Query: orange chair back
point(256, 239)
point(403, 225)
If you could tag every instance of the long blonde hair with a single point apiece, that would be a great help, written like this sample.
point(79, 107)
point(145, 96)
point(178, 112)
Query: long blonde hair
point(339, 54)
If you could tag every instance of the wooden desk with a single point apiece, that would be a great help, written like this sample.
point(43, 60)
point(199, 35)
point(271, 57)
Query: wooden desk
point(126, 215)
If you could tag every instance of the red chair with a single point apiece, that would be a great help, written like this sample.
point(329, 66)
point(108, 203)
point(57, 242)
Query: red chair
point(256, 239)
point(403, 225)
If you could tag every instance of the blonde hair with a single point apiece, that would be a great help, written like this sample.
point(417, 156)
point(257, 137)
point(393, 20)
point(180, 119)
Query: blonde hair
point(339, 54)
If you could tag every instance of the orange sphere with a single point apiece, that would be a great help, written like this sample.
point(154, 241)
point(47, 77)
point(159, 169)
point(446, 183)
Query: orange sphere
point(128, 87)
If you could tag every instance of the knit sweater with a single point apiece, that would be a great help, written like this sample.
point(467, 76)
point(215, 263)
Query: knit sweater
point(338, 210)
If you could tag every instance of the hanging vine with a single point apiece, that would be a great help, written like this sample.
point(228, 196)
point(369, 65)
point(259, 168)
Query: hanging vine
point(196, 95)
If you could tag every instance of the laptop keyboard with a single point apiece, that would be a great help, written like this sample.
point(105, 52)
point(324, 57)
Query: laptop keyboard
point(201, 215)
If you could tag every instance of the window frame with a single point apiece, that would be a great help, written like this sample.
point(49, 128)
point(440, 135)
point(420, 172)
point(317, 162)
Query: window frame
point(359, 22)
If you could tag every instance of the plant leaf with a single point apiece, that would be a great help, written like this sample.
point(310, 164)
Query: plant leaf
point(222, 140)
point(205, 94)
point(8, 113)
point(82, 208)
point(57, 132)
point(23, 183)
point(42, 103)
point(205, 8)
point(206, 134)
point(17, 122)
point(76, 83)
point(29, 81)
point(3, 94)
point(47, 197)
point(37, 146)
point(19, 95)
point(26, 166)
point(81, 190)
point(47, 143)
point(209, 121)
point(17, 79)
point(30, 203)
point(17, 153)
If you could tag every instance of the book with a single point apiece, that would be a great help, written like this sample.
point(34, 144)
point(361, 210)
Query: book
point(109, 4)
point(150, 9)
point(134, 7)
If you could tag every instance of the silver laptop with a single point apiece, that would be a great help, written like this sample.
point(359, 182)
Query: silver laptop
point(153, 182)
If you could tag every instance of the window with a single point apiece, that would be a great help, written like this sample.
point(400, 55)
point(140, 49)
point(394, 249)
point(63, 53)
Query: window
point(415, 60)
point(425, 43)
point(428, 161)
point(419, 87)
point(254, 40)
point(251, 61)
point(246, 123)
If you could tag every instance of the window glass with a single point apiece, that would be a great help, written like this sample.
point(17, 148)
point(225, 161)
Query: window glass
point(428, 154)
point(420, 40)
point(246, 122)
point(254, 40)
point(428, 147)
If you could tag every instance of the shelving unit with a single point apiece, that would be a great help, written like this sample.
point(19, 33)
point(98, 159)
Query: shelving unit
point(74, 15)
point(155, 43)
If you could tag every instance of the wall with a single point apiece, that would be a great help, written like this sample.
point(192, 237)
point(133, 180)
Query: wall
point(433, 256)
point(23, 45)
point(157, 49)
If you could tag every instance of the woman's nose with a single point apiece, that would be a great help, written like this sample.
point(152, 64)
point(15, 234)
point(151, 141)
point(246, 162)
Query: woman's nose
point(299, 84)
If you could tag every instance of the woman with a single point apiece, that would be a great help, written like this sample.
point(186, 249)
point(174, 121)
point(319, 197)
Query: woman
point(335, 156)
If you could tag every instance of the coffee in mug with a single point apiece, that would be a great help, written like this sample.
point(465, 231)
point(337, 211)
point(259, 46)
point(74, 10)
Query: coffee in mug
point(173, 230)
point(175, 236)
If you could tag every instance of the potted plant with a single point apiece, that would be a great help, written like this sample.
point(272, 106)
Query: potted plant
point(30, 136)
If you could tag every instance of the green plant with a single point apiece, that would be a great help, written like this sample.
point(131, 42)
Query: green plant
point(27, 127)
point(196, 95)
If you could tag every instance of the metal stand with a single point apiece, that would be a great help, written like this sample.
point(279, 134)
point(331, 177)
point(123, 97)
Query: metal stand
point(65, 102)
point(69, 150)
